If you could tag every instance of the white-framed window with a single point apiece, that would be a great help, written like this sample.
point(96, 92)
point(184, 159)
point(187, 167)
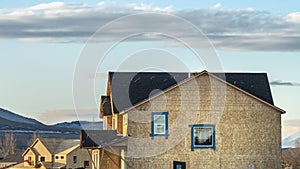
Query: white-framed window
point(95, 160)
point(104, 123)
point(125, 119)
point(114, 122)
point(159, 124)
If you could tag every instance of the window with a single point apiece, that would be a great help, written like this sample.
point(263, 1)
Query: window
point(125, 118)
point(202, 136)
point(159, 124)
point(178, 165)
point(95, 159)
point(30, 160)
point(114, 121)
point(61, 157)
point(56, 157)
point(74, 159)
point(86, 164)
point(42, 159)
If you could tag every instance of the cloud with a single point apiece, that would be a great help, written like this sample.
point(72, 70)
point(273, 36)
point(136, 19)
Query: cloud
point(283, 83)
point(216, 6)
point(61, 115)
point(247, 29)
point(290, 127)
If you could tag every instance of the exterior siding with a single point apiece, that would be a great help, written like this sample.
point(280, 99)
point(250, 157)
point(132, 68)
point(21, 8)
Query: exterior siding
point(247, 130)
point(81, 155)
point(39, 147)
point(33, 159)
point(120, 123)
point(108, 121)
point(109, 160)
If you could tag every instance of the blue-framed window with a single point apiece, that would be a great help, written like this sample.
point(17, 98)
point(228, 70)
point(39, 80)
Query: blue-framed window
point(203, 136)
point(159, 124)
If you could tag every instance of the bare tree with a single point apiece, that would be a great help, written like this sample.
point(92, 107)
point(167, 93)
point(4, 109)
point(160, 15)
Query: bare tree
point(7, 144)
point(291, 157)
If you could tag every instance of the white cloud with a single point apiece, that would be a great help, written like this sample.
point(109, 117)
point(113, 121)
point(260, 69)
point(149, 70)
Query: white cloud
point(101, 3)
point(247, 29)
point(216, 6)
point(250, 9)
point(148, 8)
point(293, 17)
point(52, 5)
point(290, 127)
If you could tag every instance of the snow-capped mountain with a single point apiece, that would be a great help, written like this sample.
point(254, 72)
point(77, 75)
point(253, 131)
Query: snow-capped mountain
point(12, 122)
point(292, 140)
point(25, 128)
point(85, 125)
point(8, 115)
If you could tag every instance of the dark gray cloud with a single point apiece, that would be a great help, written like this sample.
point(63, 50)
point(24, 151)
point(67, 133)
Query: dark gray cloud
point(227, 29)
point(284, 83)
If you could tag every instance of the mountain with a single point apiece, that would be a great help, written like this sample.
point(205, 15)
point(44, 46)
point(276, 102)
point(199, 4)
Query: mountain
point(8, 115)
point(292, 140)
point(25, 128)
point(12, 122)
point(85, 125)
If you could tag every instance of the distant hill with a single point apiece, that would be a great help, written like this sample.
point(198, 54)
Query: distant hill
point(12, 122)
point(292, 140)
point(8, 115)
point(85, 125)
point(24, 128)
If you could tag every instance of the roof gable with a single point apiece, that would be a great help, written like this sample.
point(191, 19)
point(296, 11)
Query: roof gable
point(236, 81)
point(57, 145)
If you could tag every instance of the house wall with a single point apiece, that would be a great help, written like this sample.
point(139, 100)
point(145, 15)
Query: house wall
point(247, 130)
point(125, 124)
point(109, 160)
point(82, 155)
point(120, 123)
point(108, 122)
point(60, 158)
point(39, 147)
point(33, 159)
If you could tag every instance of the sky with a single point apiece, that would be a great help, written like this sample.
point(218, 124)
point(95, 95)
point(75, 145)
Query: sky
point(43, 44)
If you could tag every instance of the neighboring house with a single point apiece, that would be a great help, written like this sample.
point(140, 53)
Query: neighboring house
point(11, 161)
point(187, 120)
point(56, 153)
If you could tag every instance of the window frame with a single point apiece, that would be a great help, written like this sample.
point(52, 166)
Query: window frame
point(153, 134)
point(42, 159)
point(212, 146)
point(74, 159)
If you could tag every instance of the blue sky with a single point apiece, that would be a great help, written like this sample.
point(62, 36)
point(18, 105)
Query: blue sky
point(41, 41)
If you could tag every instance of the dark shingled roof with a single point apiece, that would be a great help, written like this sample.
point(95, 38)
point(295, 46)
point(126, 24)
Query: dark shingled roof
point(100, 138)
point(57, 145)
point(256, 84)
point(130, 88)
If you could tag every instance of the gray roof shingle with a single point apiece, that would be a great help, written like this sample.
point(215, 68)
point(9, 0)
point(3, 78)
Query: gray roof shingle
point(100, 138)
point(130, 88)
point(56, 145)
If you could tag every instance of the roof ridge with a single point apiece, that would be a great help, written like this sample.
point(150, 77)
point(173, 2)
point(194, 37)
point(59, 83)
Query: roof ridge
point(197, 75)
